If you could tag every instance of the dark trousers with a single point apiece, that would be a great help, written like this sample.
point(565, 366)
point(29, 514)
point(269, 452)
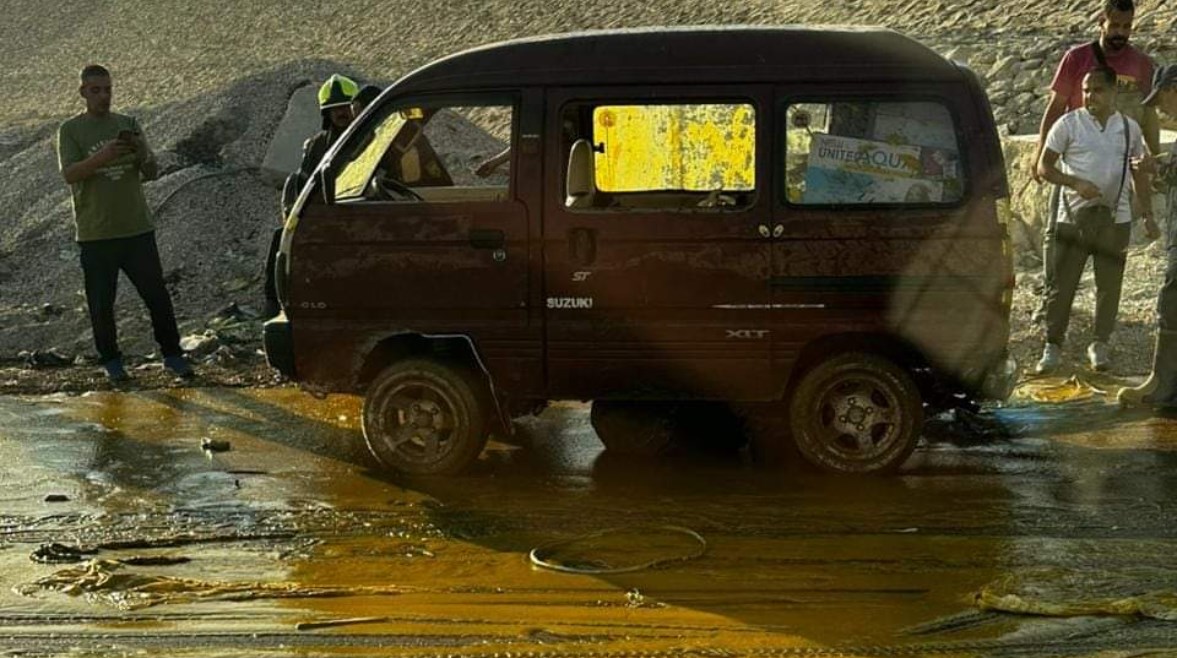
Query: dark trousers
point(1167, 300)
point(271, 290)
point(1071, 251)
point(138, 257)
point(1048, 242)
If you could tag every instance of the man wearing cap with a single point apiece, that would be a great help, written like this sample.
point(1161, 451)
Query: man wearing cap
point(1160, 389)
point(105, 159)
point(335, 107)
point(1134, 72)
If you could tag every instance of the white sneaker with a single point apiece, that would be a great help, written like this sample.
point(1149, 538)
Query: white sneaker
point(1051, 358)
point(1097, 355)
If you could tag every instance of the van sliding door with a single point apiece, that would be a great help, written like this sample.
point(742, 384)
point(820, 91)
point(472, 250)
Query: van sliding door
point(656, 256)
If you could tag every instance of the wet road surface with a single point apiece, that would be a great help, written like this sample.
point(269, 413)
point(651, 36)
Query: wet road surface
point(1057, 540)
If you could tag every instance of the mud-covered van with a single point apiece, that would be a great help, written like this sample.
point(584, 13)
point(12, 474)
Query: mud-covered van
point(780, 222)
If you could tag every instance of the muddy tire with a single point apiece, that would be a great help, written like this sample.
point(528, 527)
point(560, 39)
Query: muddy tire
point(633, 428)
point(856, 413)
point(422, 417)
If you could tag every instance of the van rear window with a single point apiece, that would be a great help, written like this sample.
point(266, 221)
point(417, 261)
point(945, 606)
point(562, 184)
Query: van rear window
point(681, 157)
point(872, 152)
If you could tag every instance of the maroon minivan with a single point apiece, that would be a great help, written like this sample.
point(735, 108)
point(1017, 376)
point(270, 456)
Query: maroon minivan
point(778, 221)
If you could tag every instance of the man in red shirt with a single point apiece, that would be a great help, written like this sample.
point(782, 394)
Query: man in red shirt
point(1134, 72)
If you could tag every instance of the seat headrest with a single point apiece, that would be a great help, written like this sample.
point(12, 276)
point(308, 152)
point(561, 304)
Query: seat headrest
point(580, 181)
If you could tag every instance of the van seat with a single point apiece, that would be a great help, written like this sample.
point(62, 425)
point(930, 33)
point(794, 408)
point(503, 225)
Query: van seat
point(581, 188)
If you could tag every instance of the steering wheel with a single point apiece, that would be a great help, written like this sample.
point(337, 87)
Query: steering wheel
point(391, 189)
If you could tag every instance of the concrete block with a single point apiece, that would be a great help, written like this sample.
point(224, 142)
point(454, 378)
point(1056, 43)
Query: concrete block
point(302, 120)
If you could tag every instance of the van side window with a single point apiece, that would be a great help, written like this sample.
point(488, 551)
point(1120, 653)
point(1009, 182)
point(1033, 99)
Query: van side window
point(434, 154)
point(872, 152)
point(677, 157)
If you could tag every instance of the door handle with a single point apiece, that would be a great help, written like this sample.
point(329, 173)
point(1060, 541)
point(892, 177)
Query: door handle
point(582, 246)
point(487, 238)
point(764, 231)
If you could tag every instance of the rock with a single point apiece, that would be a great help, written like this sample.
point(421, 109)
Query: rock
point(57, 498)
point(1001, 87)
point(199, 346)
point(249, 312)
point(56, 553)
point(215, 445)
point(51, 310)
point(231, 312)
point(43, 358)
point(301, 120)
point(1033, 64)
point(223, 355)
point(1027, 81)
point(1002, 68)
point(173, 276)
point(237, 284)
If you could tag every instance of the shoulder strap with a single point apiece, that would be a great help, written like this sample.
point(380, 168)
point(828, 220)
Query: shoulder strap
point(1124, 168)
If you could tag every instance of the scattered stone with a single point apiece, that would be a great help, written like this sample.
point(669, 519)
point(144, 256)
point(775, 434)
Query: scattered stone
point(43, 358)
point(59, 554)
point(1002, 68)
point(173, 276)
point(199, 346)
point(215, 445)
point(230, 311)
point(224, 355)
point(154, 560)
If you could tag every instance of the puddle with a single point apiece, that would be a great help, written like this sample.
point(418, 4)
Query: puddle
point(298, 518)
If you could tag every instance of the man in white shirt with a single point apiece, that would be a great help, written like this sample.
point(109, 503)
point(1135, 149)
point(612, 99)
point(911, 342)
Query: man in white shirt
point(1095, 144)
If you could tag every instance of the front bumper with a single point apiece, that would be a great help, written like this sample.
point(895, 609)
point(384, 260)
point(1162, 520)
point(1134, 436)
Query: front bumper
point(279, 344)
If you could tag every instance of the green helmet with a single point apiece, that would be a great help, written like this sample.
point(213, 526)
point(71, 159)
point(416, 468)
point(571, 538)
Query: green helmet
point(337, 90)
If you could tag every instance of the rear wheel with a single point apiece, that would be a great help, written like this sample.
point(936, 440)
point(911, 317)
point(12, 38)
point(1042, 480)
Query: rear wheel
point(856, 413)
point(423, 417)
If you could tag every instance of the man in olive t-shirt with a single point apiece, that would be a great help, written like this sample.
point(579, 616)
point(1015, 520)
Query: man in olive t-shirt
point(104, 158)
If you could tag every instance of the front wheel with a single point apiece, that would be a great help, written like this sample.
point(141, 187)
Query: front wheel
point(423, 417)
point(856, 413)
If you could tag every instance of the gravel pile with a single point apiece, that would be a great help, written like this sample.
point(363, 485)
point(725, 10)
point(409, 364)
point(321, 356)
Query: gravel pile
point(209, 83)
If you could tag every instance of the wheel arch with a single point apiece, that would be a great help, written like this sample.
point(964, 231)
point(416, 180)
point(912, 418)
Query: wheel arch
point(454, 349)
point(901, 352)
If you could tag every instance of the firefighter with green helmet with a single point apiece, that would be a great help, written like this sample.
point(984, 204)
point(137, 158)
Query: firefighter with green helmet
point(335, 97)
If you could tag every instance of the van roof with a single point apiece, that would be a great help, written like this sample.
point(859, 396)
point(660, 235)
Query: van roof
point(713, 54)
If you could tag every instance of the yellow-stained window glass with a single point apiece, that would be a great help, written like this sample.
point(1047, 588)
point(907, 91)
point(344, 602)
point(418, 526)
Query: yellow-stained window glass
point(697, 148)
